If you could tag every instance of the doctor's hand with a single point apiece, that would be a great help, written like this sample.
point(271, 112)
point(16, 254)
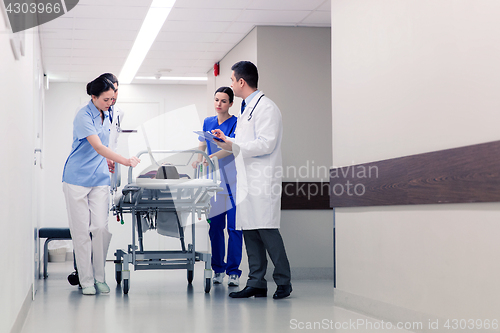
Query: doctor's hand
point(226, 145)
point(133, 161)
point(218, 133)
point(111, 165)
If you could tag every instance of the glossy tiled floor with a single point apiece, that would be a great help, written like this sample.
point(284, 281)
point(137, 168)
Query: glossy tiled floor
point(162, 301)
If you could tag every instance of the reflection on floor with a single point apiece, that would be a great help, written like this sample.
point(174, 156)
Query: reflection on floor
point(163, 301)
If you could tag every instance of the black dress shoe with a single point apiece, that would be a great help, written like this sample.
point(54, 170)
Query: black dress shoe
point(73, 279)
point(249, 292)
point(283, 291)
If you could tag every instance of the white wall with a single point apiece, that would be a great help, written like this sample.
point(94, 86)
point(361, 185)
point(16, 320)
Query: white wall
point(18, 93)
point(246, 49)
point(295, 74)
point(62, 101)
point(411, 77)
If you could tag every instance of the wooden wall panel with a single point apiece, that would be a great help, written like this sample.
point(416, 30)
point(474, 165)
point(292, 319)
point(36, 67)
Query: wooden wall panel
point(305, 195)
point(458, 175)
point(370, 184)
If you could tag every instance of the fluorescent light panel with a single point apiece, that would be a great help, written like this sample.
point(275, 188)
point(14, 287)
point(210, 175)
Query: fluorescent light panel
point(174, 78)
point(155, 18)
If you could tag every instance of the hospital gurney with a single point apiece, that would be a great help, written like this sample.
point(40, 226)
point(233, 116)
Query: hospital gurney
point(165, 204)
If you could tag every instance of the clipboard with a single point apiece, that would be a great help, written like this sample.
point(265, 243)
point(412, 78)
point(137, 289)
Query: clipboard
point(208, 136)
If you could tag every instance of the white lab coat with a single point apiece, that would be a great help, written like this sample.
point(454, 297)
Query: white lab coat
point(257, 149)
point(115, 127)
point(114, 132)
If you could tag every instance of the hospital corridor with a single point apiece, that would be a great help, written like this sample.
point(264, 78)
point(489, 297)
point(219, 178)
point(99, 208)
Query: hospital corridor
point(249, 166)
point(160, 301)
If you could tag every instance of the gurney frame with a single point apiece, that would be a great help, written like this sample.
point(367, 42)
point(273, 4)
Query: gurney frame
point(144, 200)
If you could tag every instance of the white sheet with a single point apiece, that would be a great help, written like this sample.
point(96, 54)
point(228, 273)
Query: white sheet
point(161, 184)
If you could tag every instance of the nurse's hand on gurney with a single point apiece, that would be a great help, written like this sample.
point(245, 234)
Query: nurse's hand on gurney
point(227, 144)
point(200, 159)
point(196, 163)
point(104, 151)
point(111, 165)
point(133, 161)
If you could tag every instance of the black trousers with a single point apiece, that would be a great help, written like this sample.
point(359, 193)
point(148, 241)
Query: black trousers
point(257, 242)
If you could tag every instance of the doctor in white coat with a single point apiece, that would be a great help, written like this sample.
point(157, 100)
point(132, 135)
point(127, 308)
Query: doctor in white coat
point(257, 150)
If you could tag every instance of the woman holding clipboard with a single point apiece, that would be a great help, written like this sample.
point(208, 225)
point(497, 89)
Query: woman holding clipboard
point(224, 208)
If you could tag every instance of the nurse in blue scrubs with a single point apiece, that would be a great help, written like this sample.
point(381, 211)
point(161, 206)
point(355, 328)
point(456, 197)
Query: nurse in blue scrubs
point(86, 186)
point(223, 209)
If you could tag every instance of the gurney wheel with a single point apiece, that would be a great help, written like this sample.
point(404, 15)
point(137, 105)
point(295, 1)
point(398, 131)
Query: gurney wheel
point(208, 284)
point(190, 275)
point(125, 286)
point(118, 270)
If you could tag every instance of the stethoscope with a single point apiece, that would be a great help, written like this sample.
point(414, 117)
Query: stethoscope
point(251, 112)
point(118, 128)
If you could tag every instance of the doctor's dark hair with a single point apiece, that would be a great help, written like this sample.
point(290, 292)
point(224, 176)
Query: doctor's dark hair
point(247, 71)
point(228, 91)
point(111, 77)
point(99, 85)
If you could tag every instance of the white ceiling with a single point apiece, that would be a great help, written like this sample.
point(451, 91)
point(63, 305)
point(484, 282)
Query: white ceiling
point(97, 35)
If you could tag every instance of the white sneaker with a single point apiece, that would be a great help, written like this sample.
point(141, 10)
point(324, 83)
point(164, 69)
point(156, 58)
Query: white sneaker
point(218, 278)
point(234, 280)
point(102, 287)
point(88, 290)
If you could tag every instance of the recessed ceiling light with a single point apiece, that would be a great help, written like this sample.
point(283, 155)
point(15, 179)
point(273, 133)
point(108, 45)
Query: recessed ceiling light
point(155, 18)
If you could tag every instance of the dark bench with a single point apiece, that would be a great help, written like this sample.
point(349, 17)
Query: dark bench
point(51, 234)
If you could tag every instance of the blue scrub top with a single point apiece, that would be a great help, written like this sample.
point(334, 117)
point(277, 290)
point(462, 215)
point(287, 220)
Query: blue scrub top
point(84, 166)
point(226, 164)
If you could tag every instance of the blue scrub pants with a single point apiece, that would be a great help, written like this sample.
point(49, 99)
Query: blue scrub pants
point(221, 209)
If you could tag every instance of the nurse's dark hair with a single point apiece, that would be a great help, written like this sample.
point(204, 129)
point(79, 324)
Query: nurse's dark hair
point(247, 71)
point(111, 77)
point(99, 85)
point(228, 91)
